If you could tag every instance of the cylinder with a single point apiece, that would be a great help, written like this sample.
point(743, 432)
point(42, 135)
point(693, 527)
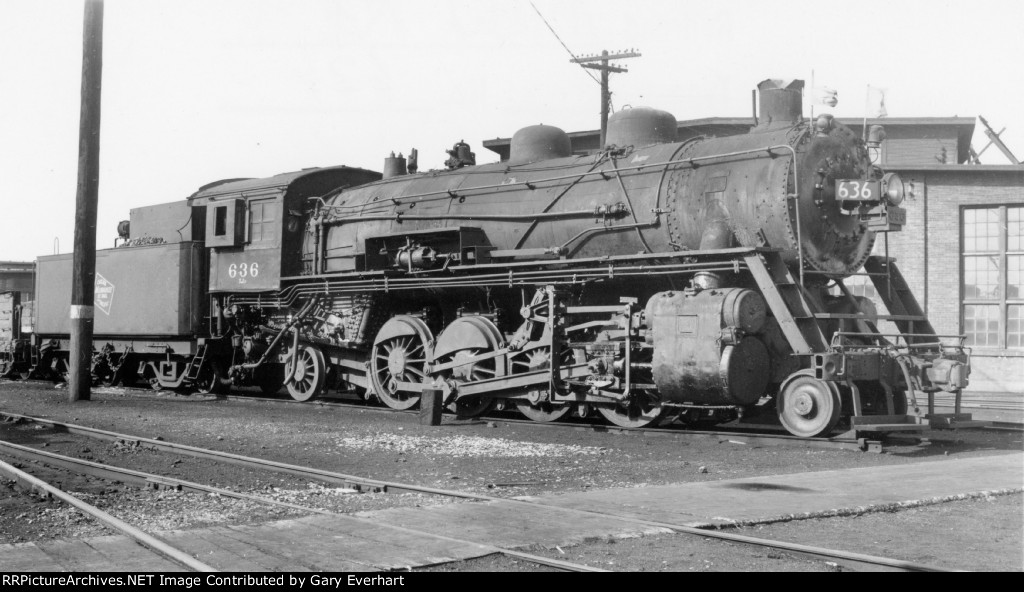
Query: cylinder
point(698, 358)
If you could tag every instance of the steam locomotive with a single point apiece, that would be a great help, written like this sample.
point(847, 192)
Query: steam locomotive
point(650, 281)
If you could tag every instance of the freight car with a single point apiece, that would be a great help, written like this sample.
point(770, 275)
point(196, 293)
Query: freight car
point(16, 285)
point(649, 281)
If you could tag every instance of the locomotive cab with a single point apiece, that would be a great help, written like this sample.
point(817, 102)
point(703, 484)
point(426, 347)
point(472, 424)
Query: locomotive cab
point(254, 227)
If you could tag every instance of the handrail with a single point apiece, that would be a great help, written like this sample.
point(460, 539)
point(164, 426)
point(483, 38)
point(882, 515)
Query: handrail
point(680, 161)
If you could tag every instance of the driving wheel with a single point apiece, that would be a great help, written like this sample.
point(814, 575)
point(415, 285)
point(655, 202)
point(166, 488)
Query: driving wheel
point(398, 361)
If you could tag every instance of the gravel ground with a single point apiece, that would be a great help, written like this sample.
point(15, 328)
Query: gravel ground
point(477, 456)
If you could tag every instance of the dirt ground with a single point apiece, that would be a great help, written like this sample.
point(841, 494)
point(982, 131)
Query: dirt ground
point(482, 456)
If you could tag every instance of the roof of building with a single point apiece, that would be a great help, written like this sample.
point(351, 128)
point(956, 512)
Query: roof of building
point(729, 126)
point(960, 168)
point(17, 266)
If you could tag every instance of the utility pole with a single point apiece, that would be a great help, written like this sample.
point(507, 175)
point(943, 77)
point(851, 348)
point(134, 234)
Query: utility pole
point(600, 62)
point(83, 271)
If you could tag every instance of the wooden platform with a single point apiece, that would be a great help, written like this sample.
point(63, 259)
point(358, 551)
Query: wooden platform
point(764, 499)
point(105, 553)
point(407, 537)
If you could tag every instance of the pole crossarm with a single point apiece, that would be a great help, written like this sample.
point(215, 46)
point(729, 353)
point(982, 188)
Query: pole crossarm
point(600, 62)
point(605, 67)
point(605, 56)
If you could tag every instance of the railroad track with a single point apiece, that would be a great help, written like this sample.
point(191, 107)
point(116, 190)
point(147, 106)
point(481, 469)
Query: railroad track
point(749, 436)
point(846, 558)
point(1006, 426)
point(145, 539)
point(147, 480)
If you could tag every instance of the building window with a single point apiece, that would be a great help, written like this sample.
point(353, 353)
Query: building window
point(860, 285)
point(263, 221)
point(993, 276)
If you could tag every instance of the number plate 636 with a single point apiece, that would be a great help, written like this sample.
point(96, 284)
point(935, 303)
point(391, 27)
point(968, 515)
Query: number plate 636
point(242, 271)
point(858, 190)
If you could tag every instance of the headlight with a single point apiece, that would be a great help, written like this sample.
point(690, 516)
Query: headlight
point(892, 189)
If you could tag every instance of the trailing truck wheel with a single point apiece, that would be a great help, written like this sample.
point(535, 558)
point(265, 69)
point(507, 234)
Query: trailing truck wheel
point(309, 374)
point(212, 380)
point(398, 361)
point(808, 407)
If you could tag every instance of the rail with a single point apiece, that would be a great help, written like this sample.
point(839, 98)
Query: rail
point(143, 479)
point(317, 473)
point(139, 536)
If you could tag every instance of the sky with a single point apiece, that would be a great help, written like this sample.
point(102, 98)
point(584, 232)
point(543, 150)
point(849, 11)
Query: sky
point(200, 90)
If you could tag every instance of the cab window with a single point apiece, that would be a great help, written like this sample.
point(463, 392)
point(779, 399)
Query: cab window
point(264, 218)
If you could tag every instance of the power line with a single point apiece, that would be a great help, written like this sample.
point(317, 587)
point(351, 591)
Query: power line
point(560, 41)
point(601, 62)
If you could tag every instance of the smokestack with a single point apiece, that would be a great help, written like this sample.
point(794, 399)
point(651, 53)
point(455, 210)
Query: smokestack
point(781, 103)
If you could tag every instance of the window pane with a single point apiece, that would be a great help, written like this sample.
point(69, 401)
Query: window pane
point(858, 285)
point(262, 220)
point(1015, 229)
point(981, 230)
point(220, 224)
point(981, 325)
point(981, 277)
point(1015, 326)
point(1015, 276)
point(270, 220)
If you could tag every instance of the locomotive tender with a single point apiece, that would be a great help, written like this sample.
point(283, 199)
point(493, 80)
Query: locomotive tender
point(649, 281)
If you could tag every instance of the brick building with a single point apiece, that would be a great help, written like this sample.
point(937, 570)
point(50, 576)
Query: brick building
point(962, 249)
point(18, 276)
